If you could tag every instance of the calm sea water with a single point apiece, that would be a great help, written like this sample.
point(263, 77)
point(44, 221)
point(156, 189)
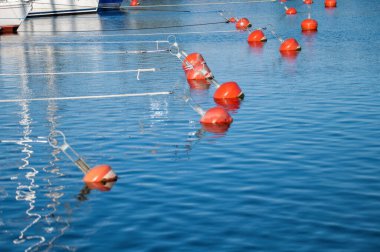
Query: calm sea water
point(298, 170)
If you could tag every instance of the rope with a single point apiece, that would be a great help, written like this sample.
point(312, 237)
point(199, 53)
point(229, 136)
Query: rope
point(199, 4)
point(128, 35)
point(134, 29)
point(87, 42)
point(102, 52)
point(86, 97)
point(175, 11)
point(89, 72)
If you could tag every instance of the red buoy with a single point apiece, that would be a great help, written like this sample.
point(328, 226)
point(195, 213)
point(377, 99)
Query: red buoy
point(198, 69)
point(216, 115)
point(257, 36)
point(199, 72)
point(229, 104)
point(100, 173)
point(309, 25)
point(243, 24)
point(228, 90)
point(134, 3)
point(308, 1)
point(282, 1)
point(290, 44)
point(330, 3)
point(232, 20)
point(291, 11)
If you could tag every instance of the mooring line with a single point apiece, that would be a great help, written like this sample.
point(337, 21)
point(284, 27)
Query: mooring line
point(86, 97)
point(122, 35)
point(86, 72)
point(103, 52)
point(84, 42)
point(127, 29)
point(198, 4)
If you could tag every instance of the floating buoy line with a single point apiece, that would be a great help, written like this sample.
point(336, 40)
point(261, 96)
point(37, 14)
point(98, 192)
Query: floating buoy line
point(215, 119)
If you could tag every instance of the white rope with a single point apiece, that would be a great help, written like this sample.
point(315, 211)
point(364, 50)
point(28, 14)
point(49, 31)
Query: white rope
point(86, 97)
point(165, 33)
point(78, 52)
point(22, 141)
point(102, 52)
point(89, 72)
point(198, 4)
point(85, 42)
point(119, 35)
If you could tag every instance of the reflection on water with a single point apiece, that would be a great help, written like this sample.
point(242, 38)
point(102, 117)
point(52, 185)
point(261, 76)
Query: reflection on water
point(27, 192)
point(51, 225)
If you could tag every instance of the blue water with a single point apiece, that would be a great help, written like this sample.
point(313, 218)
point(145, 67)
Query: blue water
point(298, 170)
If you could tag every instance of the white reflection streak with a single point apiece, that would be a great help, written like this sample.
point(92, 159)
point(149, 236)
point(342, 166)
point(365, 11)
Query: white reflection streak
point(54, 191)
point(29, 194)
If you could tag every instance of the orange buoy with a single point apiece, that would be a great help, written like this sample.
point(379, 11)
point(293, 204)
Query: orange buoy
point(229, 104)
point(198, 69)
point(216, 115)
point(330, 3)
point(309, 25)
point(232, 20)
point(228, 90)
point(134, 3)
point(199, 72)
point(308, 1)
point(283, 1)
point(192, 59)
point(257, 36)
point(290, 44)
point(100, 173)
point(291, 11)
point(243, 24)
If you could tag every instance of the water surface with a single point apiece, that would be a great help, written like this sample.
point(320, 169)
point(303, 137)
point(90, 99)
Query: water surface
point(298, 170)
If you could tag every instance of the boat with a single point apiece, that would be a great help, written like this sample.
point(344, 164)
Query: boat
point(110, 4)
point(61, 7)
point(12, 14)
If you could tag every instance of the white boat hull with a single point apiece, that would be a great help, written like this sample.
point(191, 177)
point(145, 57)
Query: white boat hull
point(12, 14)
point(61, 7)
